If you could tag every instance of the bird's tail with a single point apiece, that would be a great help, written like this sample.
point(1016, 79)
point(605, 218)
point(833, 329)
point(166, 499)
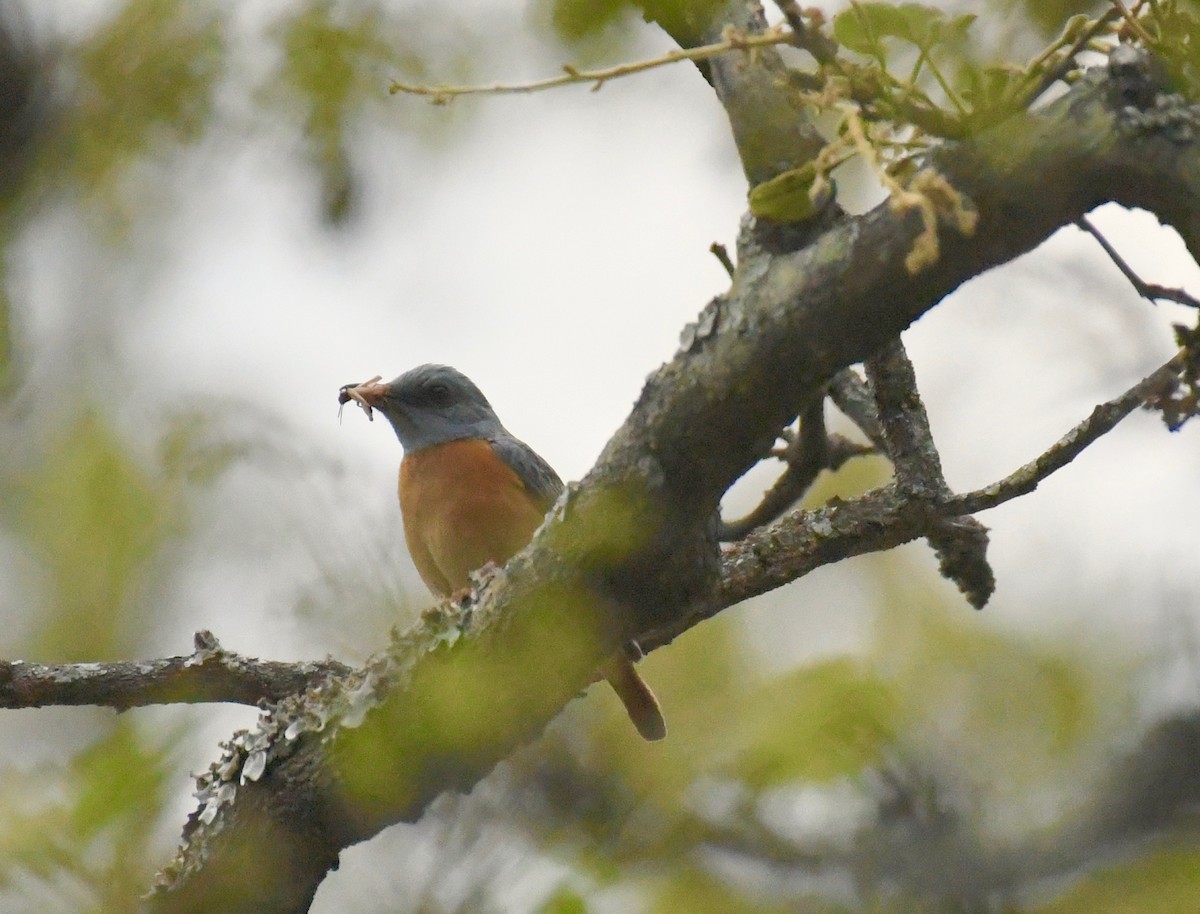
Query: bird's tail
point(639, 701)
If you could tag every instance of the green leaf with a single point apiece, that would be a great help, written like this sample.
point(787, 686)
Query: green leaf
point(1177, 46)
point(687, 21)
point(786, 197)
point(908, 21)
point(863, 27)
point(951, 31)
point(1049, 15)
point(988, 86)
point(853, 30)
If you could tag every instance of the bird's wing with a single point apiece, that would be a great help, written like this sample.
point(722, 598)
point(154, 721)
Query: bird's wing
point(537, 475)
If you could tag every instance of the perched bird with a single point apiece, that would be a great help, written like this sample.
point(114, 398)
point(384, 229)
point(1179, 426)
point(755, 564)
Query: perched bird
point(471, 493)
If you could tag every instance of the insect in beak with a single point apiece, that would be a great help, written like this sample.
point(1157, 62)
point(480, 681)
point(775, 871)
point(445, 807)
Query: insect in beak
point(349, 392)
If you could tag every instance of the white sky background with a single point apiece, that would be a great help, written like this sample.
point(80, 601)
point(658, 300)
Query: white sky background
point(553, 251)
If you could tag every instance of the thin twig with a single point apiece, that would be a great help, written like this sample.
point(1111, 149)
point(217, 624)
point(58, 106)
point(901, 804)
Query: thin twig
point(793, 14)
point(733, 40)
point(1059, 70)
point(719, 251)
point(807, 454)
point(1134, 26)
point(822, 48)
point(1148, 291)
point(854, 397)
point(1101, 421)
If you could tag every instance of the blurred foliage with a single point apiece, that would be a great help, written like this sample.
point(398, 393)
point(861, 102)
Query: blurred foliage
point(1176, 30)
point(999, 687)
point(692, 889)
point(332, 64)
point(337, 60)
point(565, 900)
point(96, 519)
point(195, 448)
point(594, 32)
point(23, 101)
point(118, 779)
point(1049, 15)
point(172, 53)
point(23, 110)
point(945, 727)
point(1165, 880)
point(6, 341)
point(80, 835)
point(817, 724)
point(575, 20)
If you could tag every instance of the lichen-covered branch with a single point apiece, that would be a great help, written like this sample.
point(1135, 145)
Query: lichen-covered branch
point(209, 674)
point(960, 542)
point(630, 552)
point(905, 425)
point(887, 517)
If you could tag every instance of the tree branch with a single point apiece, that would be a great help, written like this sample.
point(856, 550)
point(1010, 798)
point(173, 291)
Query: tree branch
point(210, 674)
point(905, 424)
point(1149, 291)
point(854, 397)
point(731, 40)
point(630, 551)
point(887, 517)
point(213, 674)
point(960, 542)
point(1102, 420)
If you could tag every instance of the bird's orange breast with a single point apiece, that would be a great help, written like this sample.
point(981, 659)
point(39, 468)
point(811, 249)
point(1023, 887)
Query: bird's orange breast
point(463, 507)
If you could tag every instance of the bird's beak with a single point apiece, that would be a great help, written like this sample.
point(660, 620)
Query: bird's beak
point(367, 394)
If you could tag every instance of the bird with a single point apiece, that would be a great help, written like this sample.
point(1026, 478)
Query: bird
point(471, 493)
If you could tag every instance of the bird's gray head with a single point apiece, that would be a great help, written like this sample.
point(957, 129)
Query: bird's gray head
point(431, 404)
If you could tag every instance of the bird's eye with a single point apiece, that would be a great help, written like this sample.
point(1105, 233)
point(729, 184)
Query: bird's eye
point(438, 392)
